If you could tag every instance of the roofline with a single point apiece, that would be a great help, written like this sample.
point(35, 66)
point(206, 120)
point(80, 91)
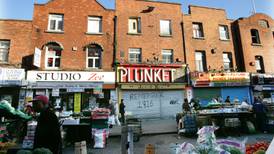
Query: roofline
point(206, 7)
point(155, 1)
point(49, 1)
point(21, 20)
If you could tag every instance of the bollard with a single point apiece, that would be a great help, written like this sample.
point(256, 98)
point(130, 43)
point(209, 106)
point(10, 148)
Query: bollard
point(124, 141)
point(150, 149)
point(80, 148)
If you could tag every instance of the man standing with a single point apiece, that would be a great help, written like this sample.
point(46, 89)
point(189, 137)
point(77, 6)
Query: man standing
point(47, 134)
point(260, 113)
point(122, 110)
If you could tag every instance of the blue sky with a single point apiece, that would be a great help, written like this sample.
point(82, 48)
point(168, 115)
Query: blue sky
point(22, 9)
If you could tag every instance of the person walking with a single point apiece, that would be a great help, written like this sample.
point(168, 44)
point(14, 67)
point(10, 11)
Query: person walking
point(122, 111)
point(186, 106)
point(47, 134)
point(260, 114)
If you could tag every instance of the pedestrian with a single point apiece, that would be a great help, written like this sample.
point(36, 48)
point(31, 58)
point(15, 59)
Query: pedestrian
point(260, 114)
point(47, 133)
point(186, 106)
point(227, 100)
point(122, 110)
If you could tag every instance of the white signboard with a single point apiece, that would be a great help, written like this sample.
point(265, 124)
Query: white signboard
point(11, 76)
point(66, 76)
point(55, 92)
point(37, 57)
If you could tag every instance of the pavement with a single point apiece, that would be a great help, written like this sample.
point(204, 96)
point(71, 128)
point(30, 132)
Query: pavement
point(162, 134)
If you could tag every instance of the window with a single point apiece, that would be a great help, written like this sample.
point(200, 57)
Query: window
point(167, 56)
point(227, 58)
point(259, 64)
point(4, 51)
point(200, 61)
point(255, 36)
point(165, 27)
point(263, 23)
point(94, 56)
point(135, 55)
point(56, 22)
point(134, 25)
point(94, 25)
point(53, 55)
point(197, 30)
point(224, 34)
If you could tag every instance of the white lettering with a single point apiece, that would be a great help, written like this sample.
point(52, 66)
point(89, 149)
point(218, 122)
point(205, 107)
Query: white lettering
point(123, 74)
point(157, 75)
point(148, 75)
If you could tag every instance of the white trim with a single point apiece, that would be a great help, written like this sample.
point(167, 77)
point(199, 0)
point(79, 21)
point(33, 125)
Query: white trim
point(98, 28)
point(57, 18)
point(53, 63)
point(94, 58)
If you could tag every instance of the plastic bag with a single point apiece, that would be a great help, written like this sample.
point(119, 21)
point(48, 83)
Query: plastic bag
point(186, 148)
point(100, 138)
point(111, 120)
point(232, 146)
point(206, 142)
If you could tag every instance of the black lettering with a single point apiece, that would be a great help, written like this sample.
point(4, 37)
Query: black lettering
point(64, 76)
point(38, 76)
point(77, 76)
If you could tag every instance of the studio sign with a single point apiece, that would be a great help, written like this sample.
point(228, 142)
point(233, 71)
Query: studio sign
point(69, 76)
point(151, 75)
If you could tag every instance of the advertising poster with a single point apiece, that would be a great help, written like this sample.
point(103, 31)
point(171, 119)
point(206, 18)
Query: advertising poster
point(77, 102)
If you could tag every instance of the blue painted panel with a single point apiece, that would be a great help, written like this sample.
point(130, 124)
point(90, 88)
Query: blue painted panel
point(236, 92)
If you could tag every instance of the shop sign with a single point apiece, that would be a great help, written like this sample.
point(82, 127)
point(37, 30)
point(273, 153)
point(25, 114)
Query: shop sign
point(150, 74)
point(55, 92)
point(152, 86)
point(260, 79)
point(66, 76)
point(77, 102)
point(75, 89)
point(11, 76)
point(97, 90)
point(37, 57)
point(220, 79)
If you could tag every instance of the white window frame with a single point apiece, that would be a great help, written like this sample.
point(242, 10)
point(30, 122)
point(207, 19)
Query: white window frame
point(256, 36)
point(199, 61)
point(169, 53)
point(57, 18)
point(224, 33)
point(94, 25)
point(94, 59)
point(258, 65)
point(226, 61)
point(165, 28)
point(4, 50)
point(197, 29)
point(136, 51)
point(134, 25)
point(54, 58)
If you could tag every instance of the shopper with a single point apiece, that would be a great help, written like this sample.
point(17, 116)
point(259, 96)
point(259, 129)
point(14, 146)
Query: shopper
point(186, 106)
point(122, 111)
point(227, 100)
point(47, 134)
point(260, 114)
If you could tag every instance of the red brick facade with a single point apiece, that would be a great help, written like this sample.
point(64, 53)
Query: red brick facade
point(211, 43)
point(18, 32)
point(248, 50)
point(74, 37)
point(149, 40)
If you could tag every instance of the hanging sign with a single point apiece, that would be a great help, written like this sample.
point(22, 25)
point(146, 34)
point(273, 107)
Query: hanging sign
point(77, 102)
point(37, 57)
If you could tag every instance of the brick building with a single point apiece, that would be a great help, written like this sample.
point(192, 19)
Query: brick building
point(208, 39)
point(255, 43)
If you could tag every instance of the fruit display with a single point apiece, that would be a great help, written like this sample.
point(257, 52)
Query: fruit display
point(257, 148)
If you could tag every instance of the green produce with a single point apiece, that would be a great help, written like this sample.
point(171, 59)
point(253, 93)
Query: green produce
point(42, 151)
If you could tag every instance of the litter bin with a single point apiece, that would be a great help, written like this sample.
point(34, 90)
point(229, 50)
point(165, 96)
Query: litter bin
point(136, 125)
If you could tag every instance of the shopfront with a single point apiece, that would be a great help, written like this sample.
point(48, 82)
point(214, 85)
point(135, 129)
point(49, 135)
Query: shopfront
point(207, 86)
point(151, 91)
point(11, 81)
point(71, 91)
point(263, 86)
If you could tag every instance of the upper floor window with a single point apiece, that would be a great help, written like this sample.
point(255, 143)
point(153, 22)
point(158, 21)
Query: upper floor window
point(56, 22)
point(167, 56)
point(4, 50)
point(227, 59)
point(134, 25)
point(259, 64)
point(135, 55)
point(263, 23)
point(165, 27)
point(197, 30)
point(94, 25)
point(255, 36)
point(200, 61)
point(94, 56)
point(53, 55)
point(224, 34)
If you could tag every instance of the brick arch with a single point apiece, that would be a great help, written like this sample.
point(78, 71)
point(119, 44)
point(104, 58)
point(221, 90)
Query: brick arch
point(53, 42)
point(93, 43)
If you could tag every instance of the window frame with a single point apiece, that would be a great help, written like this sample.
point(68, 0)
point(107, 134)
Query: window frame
point(162, 31)
point(263, 23)
point(135, 52)
point(225, 31)
point(131, 29)
point(256, 36)
point(99, 57)
point(5, 50)
point(259, 59)
point(54, 59)
point(199, 32)
point(230, 63)
point(203, 61)
point(98, 19)
point(56, 19)
point(167, 52)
